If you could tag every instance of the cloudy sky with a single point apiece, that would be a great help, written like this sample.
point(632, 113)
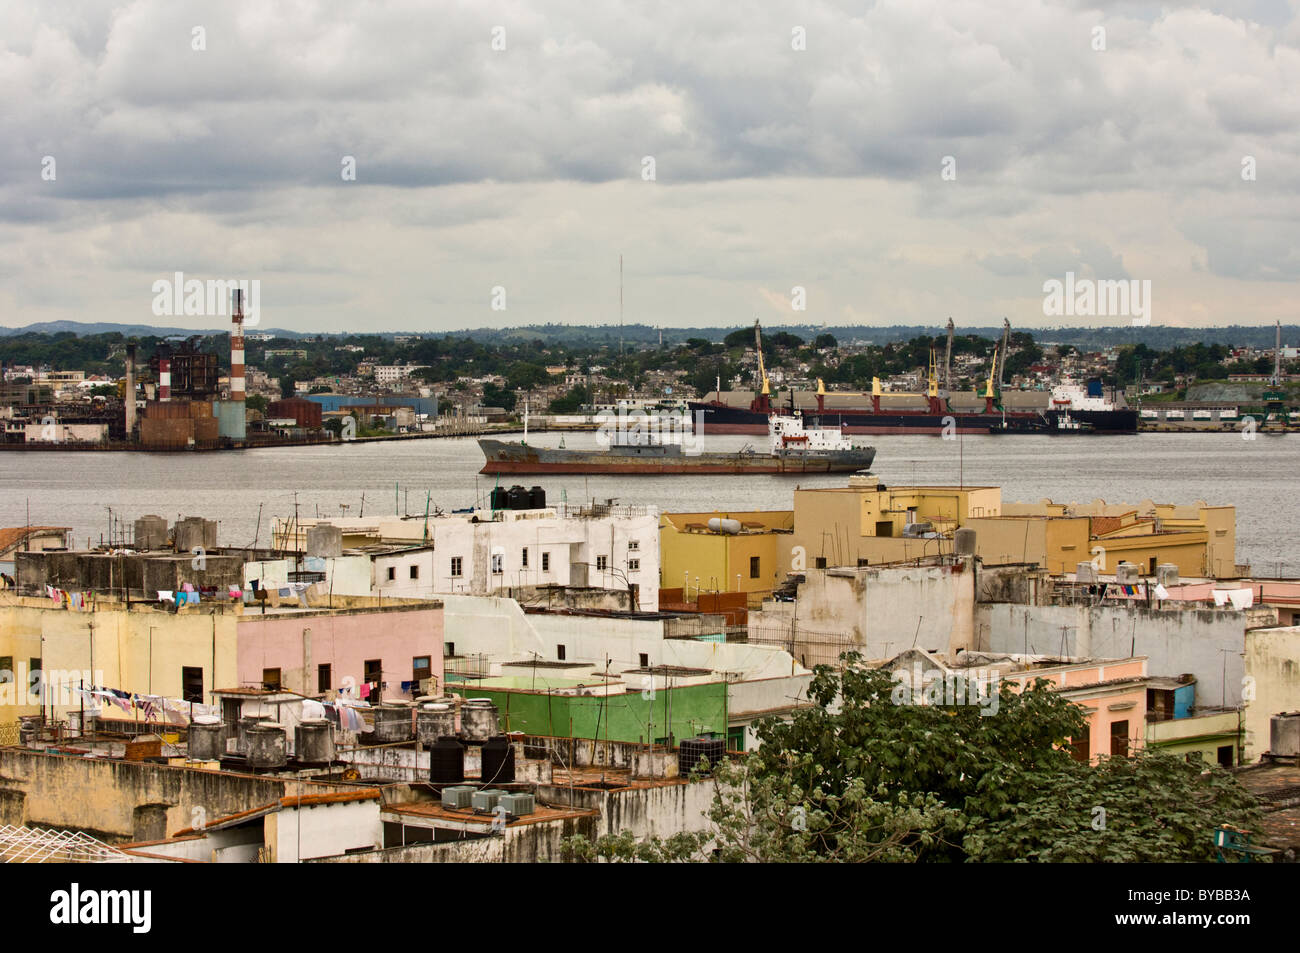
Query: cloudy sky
point(915, 159)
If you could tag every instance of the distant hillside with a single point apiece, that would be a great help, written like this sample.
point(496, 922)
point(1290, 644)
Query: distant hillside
point(642, 335)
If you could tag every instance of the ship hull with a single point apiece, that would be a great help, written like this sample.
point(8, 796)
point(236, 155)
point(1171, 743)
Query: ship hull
point(504, 459)
point(734, 420)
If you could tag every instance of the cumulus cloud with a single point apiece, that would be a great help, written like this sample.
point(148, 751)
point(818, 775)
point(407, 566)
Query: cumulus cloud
point(526, 166)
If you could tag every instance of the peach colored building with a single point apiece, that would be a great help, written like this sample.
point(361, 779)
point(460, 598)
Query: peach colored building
point(385, 652)
point(1113, 696)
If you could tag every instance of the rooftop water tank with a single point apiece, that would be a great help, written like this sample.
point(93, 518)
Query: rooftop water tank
point(433, 722)
point(536, 498)
point(478, 720)
point(963, 542)
point(1284, 734)
point(1085, 572)
point(727, 526)
point(1126, 574)
point(518, 498)
point(393, 723)
point(241, 735)
point(692, 751)
point(1167, 574)
point(498, 761)
point(206, 739)
point(267, 745)
point(313, 741)
point(446, 761)
point(500, 498)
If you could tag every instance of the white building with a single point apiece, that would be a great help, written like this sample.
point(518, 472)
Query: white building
point(485, 552)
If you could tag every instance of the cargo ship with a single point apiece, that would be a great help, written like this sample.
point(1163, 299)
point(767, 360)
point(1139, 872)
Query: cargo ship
point(794, 449)
point(1072, 410)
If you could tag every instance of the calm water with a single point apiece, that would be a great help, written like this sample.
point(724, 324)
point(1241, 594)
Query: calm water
point(77, 489)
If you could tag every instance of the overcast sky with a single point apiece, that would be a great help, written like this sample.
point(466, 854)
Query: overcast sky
point(525, 168)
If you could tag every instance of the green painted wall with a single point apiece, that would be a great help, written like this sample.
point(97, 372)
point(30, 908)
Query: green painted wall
point(628, 717)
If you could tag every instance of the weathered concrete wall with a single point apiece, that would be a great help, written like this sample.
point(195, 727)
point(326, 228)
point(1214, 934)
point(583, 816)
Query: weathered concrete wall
point(1200, 642)
point(1273, 664)
point(129, 801)
point(882, 611)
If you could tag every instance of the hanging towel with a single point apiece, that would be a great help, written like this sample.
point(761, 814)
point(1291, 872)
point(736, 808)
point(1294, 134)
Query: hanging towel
point(1241, 598)
point(166, 595)
point(1161, 592)
point(1220, 597)
point(365, 690)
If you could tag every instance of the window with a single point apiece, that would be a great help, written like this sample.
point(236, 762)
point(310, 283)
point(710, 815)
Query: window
point(862, 562)
point(523, 557)
point(1225, 756)
point(271, 679)
point(1151, 563)
point(546, 562)
point(35, 676)
point(7, 669)
point(753, 567)
point(421, 668)
point(455, 565)
point(633, 565)
point(374, 669)
point(1119, 739)
point(324, 679)
point(498, 564)
point(633, 544)
point(819, 562)
point(645, 660)
point(392, 573)
point(1081, 748)
point(602, 563)
point(191, 684)
point(448, 649)
point(415, 572)
point(559, 652)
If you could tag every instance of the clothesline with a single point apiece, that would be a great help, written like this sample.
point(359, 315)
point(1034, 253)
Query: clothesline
point(154, 707)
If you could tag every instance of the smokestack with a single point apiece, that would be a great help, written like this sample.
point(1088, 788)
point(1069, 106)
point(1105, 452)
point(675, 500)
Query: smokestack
point(165, 376)
point(128, 397)
point(237, 346)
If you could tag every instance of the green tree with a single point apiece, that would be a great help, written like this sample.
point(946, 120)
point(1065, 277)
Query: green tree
point(864, 776)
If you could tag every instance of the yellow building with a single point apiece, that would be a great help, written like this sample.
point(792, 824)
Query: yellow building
point(1200, 539)
point(753, 557)
point(866, 523)
point(142, 650)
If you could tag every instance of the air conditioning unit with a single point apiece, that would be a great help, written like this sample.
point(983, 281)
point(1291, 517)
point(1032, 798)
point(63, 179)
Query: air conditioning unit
point(518, 804)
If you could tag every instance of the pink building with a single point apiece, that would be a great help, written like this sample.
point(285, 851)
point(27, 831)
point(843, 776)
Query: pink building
point(1113, 696)
point(381, 652)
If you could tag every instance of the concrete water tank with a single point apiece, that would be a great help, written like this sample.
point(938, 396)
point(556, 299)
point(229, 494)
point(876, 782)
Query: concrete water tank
point(1284, 734)
point(241, 735)
point(151, 533)
point(267, 745)
point(963, 542)
point(1167, 574)
point(325, 540)
point(313, 741)
point(478, 720)
point(434, 721)
point(1126, 574)
point(194, 531)
point(1085, 572)
point(393, 723)
point(206, 739)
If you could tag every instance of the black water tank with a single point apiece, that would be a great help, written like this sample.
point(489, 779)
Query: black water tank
point(500, 498)
point(446, 761)
point(694, 750)
point(498, 761)
point(518, 498)
point(537, 498)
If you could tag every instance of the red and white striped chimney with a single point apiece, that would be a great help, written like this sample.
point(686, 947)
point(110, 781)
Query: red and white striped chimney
point(164, 378)
point(237, 345)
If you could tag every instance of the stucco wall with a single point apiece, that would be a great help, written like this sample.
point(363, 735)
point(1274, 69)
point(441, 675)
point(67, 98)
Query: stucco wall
point(1273, 664)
